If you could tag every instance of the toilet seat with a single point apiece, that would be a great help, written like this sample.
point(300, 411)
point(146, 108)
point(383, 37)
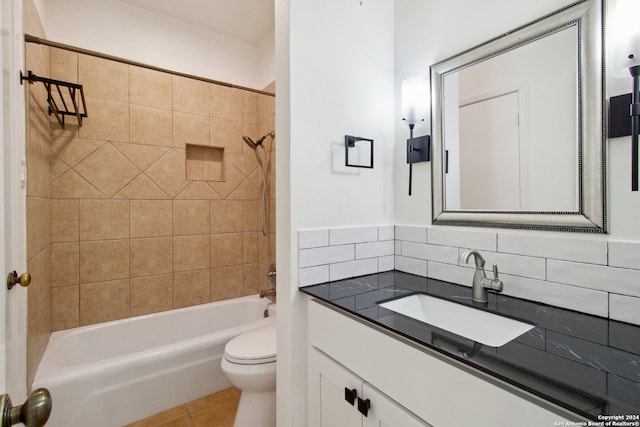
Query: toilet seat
point(253, 347)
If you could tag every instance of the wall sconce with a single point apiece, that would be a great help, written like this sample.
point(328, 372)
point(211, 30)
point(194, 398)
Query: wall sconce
point(624, 110)
point(361, 150)
point(414, 108)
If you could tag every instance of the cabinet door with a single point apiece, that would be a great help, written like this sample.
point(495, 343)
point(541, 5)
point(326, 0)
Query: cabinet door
point(384, 412)
point(326, 394)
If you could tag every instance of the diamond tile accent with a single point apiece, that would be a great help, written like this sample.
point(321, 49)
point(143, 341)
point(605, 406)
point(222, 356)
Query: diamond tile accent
point(141, 188)
point(72, 186)
point(74, 150)
point(199, 190)
point(142, 156)
point(232, 178)
point(108, 170)
point(169, 173)
point(245, 191)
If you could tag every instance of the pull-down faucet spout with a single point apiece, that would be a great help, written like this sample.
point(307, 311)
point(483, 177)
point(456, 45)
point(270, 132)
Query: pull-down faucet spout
point(481, 284)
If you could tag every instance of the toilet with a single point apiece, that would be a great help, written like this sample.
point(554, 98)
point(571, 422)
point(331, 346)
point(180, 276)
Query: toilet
point(249, 362)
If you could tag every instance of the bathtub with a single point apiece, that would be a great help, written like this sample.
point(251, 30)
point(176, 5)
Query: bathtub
point(114, 373)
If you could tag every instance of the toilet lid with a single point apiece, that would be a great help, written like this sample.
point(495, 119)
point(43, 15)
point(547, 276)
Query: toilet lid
point(253, 347)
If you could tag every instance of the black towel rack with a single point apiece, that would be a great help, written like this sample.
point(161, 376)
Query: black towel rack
point(55, 97)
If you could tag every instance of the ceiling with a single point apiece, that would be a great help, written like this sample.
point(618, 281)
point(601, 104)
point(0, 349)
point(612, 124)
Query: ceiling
point(248, 20)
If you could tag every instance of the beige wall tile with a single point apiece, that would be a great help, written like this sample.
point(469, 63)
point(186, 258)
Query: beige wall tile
point(151, 218)
point(251, 218)
point(191, 252)
point(40, 268)
point(226, 216)
point(191, 287)
point(142, 156)
point(195, 162)
point(249, 107)
point(214, 161)
point(65, 307)
point(150, 88)
point(151, 256)
point(108, 120)
point(65, 258)
point(38, 224)
point(226, 102)
point(108, 170)
point(190, 96)
point(252, 278)
point(232, 178)
point(226, 249)
point(250, 247)
point(227, 282)
point(103, 79)
point(151, 294)
point(104, 219)
point(64, 65)
point(198, 190)
point(141, 188)
point(191, 217)
point(266, 107)
point(104, 260)
point(228, 134)
point(104, 301)
point(151, 126)
point(71, 185)
point(169, 173)
point(190, 129)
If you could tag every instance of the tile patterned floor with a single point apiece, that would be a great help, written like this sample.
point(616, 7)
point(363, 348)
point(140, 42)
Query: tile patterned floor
point(215, 410)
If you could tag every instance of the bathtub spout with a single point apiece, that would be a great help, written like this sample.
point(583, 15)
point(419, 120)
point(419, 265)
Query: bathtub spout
point(268, 292)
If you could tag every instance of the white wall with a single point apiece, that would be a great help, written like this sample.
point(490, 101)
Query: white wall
point(130, 32)
point(334, 77)
point(418, 22)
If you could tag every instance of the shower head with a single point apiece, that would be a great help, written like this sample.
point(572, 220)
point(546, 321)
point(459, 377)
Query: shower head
point(255, 144)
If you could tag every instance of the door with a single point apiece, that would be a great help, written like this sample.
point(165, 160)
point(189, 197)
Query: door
point(490, 175)
point(13, 304)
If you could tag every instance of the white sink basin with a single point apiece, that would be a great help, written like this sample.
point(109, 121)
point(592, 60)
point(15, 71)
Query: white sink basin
point(478, 325)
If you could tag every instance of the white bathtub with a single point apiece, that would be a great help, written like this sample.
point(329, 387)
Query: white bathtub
point(114, 373)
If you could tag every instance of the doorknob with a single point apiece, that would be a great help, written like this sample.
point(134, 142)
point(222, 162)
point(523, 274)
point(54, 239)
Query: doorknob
point(33, 413)
point(13, 279)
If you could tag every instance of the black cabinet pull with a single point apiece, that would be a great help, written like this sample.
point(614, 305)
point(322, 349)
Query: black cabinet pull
point(350, 395)
point(363, 406)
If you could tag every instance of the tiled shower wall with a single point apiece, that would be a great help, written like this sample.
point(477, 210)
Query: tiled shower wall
point(586, 273)
point(38, 146)
point(130, 233)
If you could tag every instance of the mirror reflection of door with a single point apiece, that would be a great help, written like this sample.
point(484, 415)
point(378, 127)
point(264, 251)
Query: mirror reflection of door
point(490, 173)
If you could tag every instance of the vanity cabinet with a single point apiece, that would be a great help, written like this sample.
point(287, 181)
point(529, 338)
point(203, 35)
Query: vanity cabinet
point(338, 397)
point(407, 384)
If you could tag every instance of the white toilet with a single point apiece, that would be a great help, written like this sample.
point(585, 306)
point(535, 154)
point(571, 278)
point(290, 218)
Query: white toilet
point(250, 364)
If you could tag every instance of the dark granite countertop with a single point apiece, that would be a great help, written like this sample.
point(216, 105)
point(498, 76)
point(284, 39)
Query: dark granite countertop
point(587, 364)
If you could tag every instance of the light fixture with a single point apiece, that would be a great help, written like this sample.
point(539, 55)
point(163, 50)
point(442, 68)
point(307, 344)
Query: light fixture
point(414, 108)
point(627, 57)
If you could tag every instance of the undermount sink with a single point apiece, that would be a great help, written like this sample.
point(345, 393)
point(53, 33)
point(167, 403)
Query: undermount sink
point(475, 324)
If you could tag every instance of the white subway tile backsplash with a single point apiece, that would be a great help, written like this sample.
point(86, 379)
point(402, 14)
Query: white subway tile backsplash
point(593, 251)
point(326, 255)
point(451, 273)
point(472, 239)
point(313, 238)
point(624, 254)
point(411, 265)
point(386, 232)
point(375, 249)
point(313, 275)
point(583, 273)
point(411, 233)
point(531, 267)
point(386, 263)
point(343, 270)
point(565, 296)
point(610, 279)
point(446, 254)
point(624, 308)
point(342, 236)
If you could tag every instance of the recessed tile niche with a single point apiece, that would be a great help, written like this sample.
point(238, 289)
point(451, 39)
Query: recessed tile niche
point(205, 163)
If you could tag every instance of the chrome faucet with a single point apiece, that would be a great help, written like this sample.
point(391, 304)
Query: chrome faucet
point(481, 284)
